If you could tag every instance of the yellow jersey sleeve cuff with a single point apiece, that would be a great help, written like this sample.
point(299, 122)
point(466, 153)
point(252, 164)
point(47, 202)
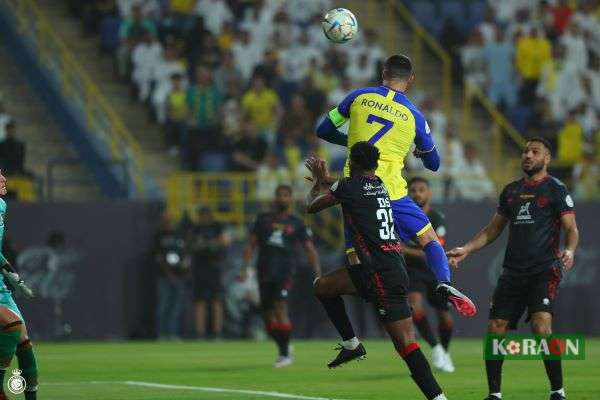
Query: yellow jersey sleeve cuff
point(424, 229)
point(337, 118)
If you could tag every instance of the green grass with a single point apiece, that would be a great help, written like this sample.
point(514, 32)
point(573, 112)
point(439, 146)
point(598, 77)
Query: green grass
point(70, 367)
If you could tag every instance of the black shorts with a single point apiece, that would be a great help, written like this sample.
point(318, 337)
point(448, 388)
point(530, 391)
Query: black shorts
point(516, 293)
point(387, 290)
point(426, 283)
point(208, 285)
point(274, 289)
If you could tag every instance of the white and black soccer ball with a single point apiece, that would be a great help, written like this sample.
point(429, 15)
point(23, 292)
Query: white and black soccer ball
point(339, 25)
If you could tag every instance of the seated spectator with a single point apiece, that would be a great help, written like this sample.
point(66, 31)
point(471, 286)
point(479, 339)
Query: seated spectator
point(12, 152)
point(226, 38)
point(561, 15)
point(337, 95)
point(261, 105)
point(294, 123)
point(227, 72)
point(533, 50)
point(231, 117)
point(216, 14)
point(209, 53)
point(246, 54)
point(270, 174)
point(362, 71)
point(324, 78)
point(499, 55)
point(5, 118)
point(473, 60)
point(145, 57)
point(586, 178)
point(204, 104)
point(570, 140)
point(250, 150)
point(177, 113)
point(131, 32)
point(576, 51)
point(470, 179)
point(296, 59)
point(194, 41)
point(314, 99)
point(170, 64)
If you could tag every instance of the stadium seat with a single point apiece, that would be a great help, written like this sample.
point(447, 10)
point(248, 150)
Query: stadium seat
point(476, 13)
point(426, 13)
point(109, 33)
point(456, 11)
point(213, 162)
point(519, 116)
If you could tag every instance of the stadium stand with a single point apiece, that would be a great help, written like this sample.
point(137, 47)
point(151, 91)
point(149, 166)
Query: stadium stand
point(268, 61)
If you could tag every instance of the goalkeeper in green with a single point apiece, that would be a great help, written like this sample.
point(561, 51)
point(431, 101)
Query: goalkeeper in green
point(13, 332)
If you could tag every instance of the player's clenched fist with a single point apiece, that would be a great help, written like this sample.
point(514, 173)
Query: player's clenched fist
point(456, 255)
point(567, 258)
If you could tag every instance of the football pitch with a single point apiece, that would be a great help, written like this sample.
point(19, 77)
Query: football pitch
point(243, 371)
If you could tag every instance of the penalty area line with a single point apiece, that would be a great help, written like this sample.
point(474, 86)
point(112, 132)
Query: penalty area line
point(194, 388)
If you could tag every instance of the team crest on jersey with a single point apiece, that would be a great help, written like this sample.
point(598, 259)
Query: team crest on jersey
point(569, 200)
point(524, 216)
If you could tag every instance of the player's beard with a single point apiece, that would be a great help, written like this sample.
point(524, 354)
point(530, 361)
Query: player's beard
point(534, 169)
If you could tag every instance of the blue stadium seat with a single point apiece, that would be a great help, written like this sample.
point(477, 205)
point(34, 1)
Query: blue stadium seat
point(109, 33)
point(477, 10)
point(519, 116)
point(455, 10)
point(425, 12)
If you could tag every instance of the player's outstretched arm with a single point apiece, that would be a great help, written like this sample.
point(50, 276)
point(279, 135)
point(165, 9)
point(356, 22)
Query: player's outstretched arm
point(329, 132)
point(486, 236)
point(571, 239)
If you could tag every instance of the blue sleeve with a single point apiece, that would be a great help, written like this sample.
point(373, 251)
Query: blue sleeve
point(328, 132)
point(425, 144)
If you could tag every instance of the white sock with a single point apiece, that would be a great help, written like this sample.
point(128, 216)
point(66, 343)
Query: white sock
point(561, 391)
point(350, 344)
point(440, 397)
point(498, 395)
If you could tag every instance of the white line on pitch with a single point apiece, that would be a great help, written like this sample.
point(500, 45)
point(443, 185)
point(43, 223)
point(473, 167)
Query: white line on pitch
point(193, 388)
point(222, 390)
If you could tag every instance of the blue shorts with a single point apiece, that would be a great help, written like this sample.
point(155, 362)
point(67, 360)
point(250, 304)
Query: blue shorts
point(409, 220)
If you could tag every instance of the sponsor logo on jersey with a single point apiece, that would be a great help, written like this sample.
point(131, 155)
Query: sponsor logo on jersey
point(524, 216)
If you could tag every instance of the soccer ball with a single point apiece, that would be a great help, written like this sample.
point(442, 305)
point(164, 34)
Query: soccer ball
point(339, 25)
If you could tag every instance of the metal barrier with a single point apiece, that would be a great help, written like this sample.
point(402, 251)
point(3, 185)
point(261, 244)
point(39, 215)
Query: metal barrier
point(75, 84)
point(232, 197)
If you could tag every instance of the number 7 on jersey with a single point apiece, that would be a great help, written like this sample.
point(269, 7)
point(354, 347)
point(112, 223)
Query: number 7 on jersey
point(387, 125)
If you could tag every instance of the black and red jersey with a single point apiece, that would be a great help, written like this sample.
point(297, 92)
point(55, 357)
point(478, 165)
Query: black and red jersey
point(533, 210)
point(368, 217)
point(279, 236)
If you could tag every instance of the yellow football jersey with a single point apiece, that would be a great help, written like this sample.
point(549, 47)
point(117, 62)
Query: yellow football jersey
point(388, 120)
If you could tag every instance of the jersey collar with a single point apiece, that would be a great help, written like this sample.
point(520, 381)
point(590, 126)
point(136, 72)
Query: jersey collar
point(537, 182)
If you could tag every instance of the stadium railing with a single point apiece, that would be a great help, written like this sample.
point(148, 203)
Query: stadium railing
point(75, 84)
point(233, 198)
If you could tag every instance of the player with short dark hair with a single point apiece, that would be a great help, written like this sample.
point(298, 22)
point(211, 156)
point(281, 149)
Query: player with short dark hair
point(535, 208)
point(14, 339)
point(384, 117)
point(381, 276)
point(423, 283)
point(277, 235)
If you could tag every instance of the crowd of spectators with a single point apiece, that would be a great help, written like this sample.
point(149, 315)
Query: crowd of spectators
point(539, 62)
point(241, 85)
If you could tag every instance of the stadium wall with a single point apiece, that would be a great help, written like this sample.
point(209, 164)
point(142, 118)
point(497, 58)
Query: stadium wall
point(112, 295)
point(70, 123)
